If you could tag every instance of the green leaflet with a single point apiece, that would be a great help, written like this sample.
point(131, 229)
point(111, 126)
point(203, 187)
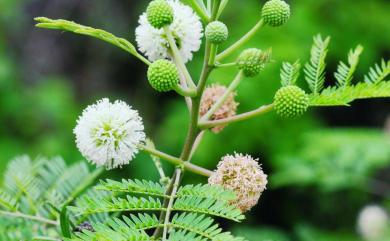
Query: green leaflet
point(65, 25)
point(289, 73)
point(315, 68)
point(344, 72)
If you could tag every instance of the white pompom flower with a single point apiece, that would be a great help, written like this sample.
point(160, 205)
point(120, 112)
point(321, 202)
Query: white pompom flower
point(186, 29)
point(107, 134)
point(373, 222)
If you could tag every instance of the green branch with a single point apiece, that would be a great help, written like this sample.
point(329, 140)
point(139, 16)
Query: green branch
point(200, 10)
point(237, 118)
point(177, 57)
point(177, 161)
point(225, 95)
point(241, 41)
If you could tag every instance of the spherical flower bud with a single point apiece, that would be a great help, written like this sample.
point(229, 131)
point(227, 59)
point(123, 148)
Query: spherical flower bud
point(252, 61)
point(276, 12)
point(159, 13)
point(108, 134)
point(211, 95)
point(217, 32)
point(243, 175)
point(372, 223)
point(163, 75)
point(291, 101)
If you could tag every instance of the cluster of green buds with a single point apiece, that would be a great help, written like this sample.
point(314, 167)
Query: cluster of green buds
point(163, 75)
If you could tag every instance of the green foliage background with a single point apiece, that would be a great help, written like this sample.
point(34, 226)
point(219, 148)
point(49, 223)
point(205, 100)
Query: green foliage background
point(322, 166)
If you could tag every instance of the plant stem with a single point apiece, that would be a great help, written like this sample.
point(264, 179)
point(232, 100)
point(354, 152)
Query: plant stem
point(200, 10)
point(245, 116)
point(213, 53)
point(216, 5)
point(177, 161)
point(186, 92)
point(193, 129)
point(225, 65)
point(223, 98)
point(242, 41)
point(30, 217)
point(222, 7)
point(41, 238)
point(177, 57)
point(156, 160)
point(196, 144)
point(170, 203)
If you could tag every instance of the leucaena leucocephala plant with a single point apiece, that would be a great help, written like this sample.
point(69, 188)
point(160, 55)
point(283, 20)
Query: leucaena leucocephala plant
point(55, 202)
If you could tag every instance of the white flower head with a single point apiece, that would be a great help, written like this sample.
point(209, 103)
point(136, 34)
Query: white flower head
point(372, 222)
point(107, 134)
point(186, 29)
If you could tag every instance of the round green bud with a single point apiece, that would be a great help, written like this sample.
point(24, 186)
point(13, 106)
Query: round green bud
point(163, 75)
point(252, 61)
point(159, 13)
point(276, 12)
point(216, 32)
point(291, 101)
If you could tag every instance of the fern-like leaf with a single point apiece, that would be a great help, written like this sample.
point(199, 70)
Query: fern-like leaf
point(201, 225)
point(35, 191)
point(133, 186)
point(208, 206)
point(378, 73)
point(91, 205)
point(333, 96)
point(206, 191)
point(115, 230)
point(289, 73)
point(127, 228)
point(7, 201)
point(344, 72)
point(315, 69)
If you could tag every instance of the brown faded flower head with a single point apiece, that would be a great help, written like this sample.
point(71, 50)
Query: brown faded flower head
point(243, 175)
point(212, 95)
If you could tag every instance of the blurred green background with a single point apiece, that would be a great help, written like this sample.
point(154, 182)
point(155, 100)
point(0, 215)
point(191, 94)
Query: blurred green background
point(323, 167)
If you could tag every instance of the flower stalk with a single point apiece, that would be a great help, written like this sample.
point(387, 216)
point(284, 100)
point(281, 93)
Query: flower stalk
point(177, 57)
point(176, 161)
point(237, 118)
point(223, 98)
point(241, 41)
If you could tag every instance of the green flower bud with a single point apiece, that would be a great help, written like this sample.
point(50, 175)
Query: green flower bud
point(252, 61)
point(276, 12)
point(159, 13)
point(163, 75)
point(216, 32)
point(291, 101)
